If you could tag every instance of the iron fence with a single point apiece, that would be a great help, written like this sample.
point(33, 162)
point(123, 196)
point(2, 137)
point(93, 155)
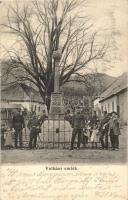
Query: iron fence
point(55, 133)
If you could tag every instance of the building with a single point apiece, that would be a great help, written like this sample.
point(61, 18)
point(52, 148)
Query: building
point(114, 98)
point(24, 96)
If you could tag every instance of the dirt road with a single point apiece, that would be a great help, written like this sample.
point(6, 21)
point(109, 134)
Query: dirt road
point(85, 156)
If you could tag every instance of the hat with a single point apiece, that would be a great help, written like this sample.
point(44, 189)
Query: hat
point(114, 113)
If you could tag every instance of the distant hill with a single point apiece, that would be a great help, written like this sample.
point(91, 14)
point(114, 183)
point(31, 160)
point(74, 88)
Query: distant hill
point(91, 83)
point(105, 79)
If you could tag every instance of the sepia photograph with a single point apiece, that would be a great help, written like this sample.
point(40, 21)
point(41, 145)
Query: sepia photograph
point(64, 81)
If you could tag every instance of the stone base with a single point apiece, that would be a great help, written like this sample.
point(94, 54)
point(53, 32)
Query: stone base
point(55, 133)
point(57, 107)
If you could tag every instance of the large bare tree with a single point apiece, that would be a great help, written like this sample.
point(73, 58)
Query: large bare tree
point(43, 28)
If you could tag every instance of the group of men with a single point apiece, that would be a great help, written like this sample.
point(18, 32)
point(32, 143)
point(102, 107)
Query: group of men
point(34, 125)
point(108, 126)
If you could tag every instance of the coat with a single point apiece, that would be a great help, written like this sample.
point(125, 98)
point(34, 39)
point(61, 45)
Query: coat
point(34, 124)
point(18, 122)
point(78, 121)
point(104, 121)
point(115, 126)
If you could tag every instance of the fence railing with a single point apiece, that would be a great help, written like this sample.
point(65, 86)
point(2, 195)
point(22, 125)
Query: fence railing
point(55, 133)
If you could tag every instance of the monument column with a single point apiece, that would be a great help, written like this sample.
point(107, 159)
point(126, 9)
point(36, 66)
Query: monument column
point(56, 107)
point(57, 57)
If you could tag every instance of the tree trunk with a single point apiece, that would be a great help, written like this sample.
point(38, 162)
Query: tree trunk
point(48, 103)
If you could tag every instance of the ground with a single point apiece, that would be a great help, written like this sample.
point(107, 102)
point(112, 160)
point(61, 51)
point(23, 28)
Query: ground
point(85, 156)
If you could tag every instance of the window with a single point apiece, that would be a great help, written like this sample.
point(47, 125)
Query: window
point(102, 109)
point(105, 108)
point(113, 106)
point(39, 108)
point(108, 107)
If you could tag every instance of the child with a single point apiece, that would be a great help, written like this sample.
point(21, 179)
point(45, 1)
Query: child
point(9, 139)
point(94, 136)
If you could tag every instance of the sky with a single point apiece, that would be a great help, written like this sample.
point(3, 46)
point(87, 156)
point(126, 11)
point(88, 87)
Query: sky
point(110, 14)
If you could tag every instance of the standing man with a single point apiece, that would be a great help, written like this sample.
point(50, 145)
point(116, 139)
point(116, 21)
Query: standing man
point(104, 131)
point(114, 131)
point(78, 124)
point(3, 131)
point(34, 127)
point(17, 125)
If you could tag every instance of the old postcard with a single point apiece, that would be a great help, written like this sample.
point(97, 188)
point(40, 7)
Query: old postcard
point(64, 99)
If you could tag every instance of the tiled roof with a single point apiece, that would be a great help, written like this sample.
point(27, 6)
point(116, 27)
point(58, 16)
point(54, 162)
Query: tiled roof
point(20, 92)
point(116, 87)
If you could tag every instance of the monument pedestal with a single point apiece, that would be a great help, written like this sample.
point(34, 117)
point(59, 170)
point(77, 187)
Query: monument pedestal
point(55, 133)
point(57, 108)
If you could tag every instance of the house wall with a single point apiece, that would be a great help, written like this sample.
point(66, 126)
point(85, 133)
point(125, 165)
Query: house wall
point(32, 106)
point(109, 105)
point(123, 107)
point(119, 104)
point(38, 107)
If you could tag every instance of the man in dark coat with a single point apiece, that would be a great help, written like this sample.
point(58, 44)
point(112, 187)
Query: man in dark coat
point(3, 131)
point(34, 127)
point(114, 131)
point(78, 124)
point(104, 127)
point(18, 124)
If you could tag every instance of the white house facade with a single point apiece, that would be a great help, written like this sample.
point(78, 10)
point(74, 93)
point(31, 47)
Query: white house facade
point(114, 98)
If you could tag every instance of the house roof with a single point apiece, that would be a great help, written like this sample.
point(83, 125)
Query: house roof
point(10, 105)
point(116, 87)
point(20, 92)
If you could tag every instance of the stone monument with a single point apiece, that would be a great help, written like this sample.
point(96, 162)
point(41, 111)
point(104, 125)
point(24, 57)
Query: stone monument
point(56, 109)
point(55, 130)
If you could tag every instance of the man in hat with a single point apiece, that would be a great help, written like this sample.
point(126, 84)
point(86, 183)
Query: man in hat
point(104, 127)
point(17, 125)
point(3, 131)
point(34, 127)
point(78, 124)
point(114, 131)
